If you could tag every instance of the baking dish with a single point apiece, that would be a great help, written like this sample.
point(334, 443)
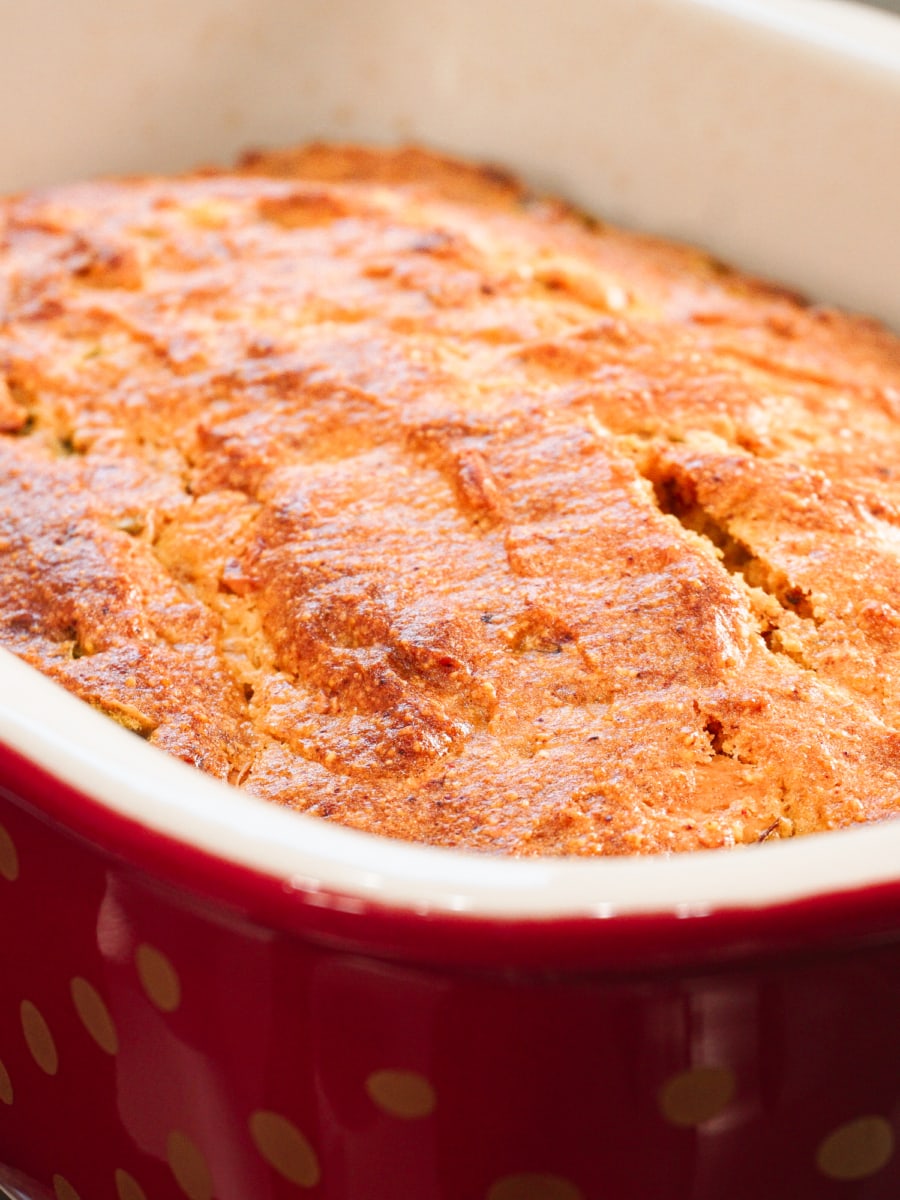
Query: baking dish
point(207, 997)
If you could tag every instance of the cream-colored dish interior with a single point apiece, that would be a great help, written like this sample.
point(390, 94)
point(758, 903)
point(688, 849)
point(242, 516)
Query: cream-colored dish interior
point(765, 130)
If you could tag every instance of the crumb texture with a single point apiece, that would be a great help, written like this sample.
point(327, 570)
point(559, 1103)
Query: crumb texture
point(371, 483)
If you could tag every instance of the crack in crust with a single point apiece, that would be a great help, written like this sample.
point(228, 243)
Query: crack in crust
point(676, 496)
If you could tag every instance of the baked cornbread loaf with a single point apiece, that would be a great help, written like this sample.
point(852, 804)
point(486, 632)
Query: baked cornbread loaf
point(371, 483)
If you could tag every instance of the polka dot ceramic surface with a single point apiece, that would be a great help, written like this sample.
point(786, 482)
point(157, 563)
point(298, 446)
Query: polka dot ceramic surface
point(693, 1097)
point(94, 1015)
point(404, 1094)
point(160, 1047)
point(285, 1148)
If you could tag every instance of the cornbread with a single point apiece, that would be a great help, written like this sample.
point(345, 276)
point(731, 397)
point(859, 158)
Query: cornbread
point(395, 495)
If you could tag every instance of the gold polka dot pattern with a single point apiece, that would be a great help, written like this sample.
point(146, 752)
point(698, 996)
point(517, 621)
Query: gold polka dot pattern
point(857, 1149)
point(63, 1190)
point(692, 1097)
point(6, 1087)
point(404, 1094)
point(9, 859)
point(128, 1188)
point(38, 1038)
point(534, 1187)
point(158, 977)
point(94, 1015)
point(285, 1148)
point(189, 1167)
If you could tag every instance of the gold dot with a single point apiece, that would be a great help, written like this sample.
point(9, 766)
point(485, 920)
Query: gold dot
point(696, 1096)
point(857, 1149)
point(159, 978)
point(285, 1148)
point(9, 859)
point(39, 1038)
point(128, 1188)
point(94, 1015)
point(63, 1190)
point(189, 1167)
point(6, 1087)
point(403, 1094)
point(534, 1187)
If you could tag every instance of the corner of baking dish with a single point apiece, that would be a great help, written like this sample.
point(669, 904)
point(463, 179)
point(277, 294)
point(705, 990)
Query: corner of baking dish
point(810, 64)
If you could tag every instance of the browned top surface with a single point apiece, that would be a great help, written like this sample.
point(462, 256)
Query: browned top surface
point(367, 482)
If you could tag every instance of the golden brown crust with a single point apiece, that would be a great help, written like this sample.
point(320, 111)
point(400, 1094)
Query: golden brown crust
point(367, 480)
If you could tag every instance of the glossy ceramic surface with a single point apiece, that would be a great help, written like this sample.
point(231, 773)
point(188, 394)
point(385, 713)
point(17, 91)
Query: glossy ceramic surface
point(157, 1043)
point(200, 998)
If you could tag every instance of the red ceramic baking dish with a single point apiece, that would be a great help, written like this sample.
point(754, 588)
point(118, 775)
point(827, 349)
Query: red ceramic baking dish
point(203, 996)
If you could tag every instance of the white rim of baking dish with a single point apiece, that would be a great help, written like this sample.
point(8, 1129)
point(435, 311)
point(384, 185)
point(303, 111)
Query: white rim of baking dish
point(843, 26)
point(128, 777)
point(90, 753)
